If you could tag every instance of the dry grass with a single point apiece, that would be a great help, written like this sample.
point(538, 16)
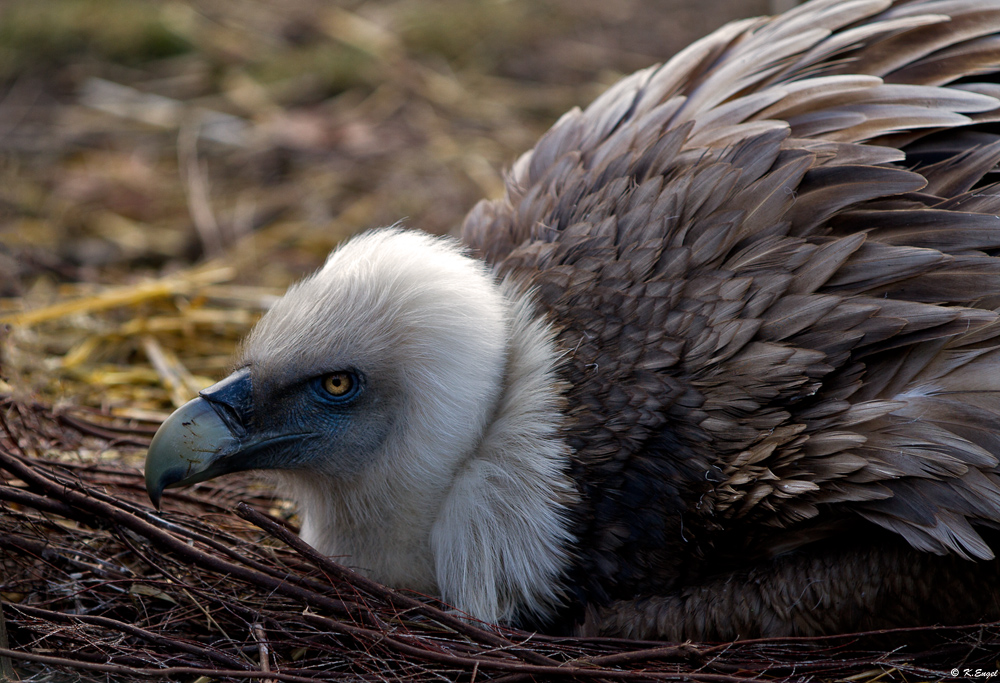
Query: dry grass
point(166, 168)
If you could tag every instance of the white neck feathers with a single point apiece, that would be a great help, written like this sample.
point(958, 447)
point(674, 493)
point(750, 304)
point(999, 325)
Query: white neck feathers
point(467, 497)
point(501, 541)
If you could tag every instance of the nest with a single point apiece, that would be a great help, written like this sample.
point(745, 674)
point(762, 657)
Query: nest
point(98, 586)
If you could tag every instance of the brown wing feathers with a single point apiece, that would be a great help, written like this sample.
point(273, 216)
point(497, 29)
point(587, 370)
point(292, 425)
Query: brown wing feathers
point(772, 262)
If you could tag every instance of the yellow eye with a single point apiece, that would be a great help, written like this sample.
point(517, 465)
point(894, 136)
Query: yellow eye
point(338, 384)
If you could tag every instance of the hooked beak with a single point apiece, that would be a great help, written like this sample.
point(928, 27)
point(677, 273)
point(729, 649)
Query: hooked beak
point(186, 448)
point(195, 443)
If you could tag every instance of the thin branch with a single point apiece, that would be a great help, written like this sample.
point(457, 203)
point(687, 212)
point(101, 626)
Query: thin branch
point(165, 672)
point(132, 630)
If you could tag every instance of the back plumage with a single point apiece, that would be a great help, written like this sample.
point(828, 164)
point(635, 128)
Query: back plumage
point(773, 262)
point(757, 290)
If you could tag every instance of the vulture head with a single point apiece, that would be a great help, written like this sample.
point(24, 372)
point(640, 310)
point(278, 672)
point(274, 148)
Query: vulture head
point(378, 391)
point(724, 361)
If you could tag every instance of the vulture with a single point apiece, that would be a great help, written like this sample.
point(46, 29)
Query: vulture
point(724, 361)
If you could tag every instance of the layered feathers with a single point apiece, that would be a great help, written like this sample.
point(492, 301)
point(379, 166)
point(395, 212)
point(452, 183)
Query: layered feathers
point(773, 262)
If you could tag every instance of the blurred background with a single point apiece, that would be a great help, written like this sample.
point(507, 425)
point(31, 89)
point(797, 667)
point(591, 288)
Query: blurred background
point(168, 168)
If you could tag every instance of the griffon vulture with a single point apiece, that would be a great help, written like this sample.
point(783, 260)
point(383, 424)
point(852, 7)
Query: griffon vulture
point(723, 362)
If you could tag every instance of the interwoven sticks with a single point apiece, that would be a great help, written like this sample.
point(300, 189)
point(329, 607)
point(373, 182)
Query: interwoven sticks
point(96, 586)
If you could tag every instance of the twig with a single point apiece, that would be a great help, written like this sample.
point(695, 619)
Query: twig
point(110, 433)
point(175, 377)
point(265, 655)
point(195, 177)
point(685, 650)
point(132, 630)
point(6, 668)
point(165, 672)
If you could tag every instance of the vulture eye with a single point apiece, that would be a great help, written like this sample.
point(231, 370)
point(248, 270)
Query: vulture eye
point(340, 384)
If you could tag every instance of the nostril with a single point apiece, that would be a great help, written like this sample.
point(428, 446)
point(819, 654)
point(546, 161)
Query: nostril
point(234, 419)
point(232, 400)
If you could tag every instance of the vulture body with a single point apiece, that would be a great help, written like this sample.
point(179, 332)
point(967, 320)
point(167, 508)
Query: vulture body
point(724, 362)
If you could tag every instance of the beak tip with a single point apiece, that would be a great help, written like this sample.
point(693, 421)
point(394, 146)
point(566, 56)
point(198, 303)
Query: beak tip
point(183, 448)
point(154, 497)
point(154, 488)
